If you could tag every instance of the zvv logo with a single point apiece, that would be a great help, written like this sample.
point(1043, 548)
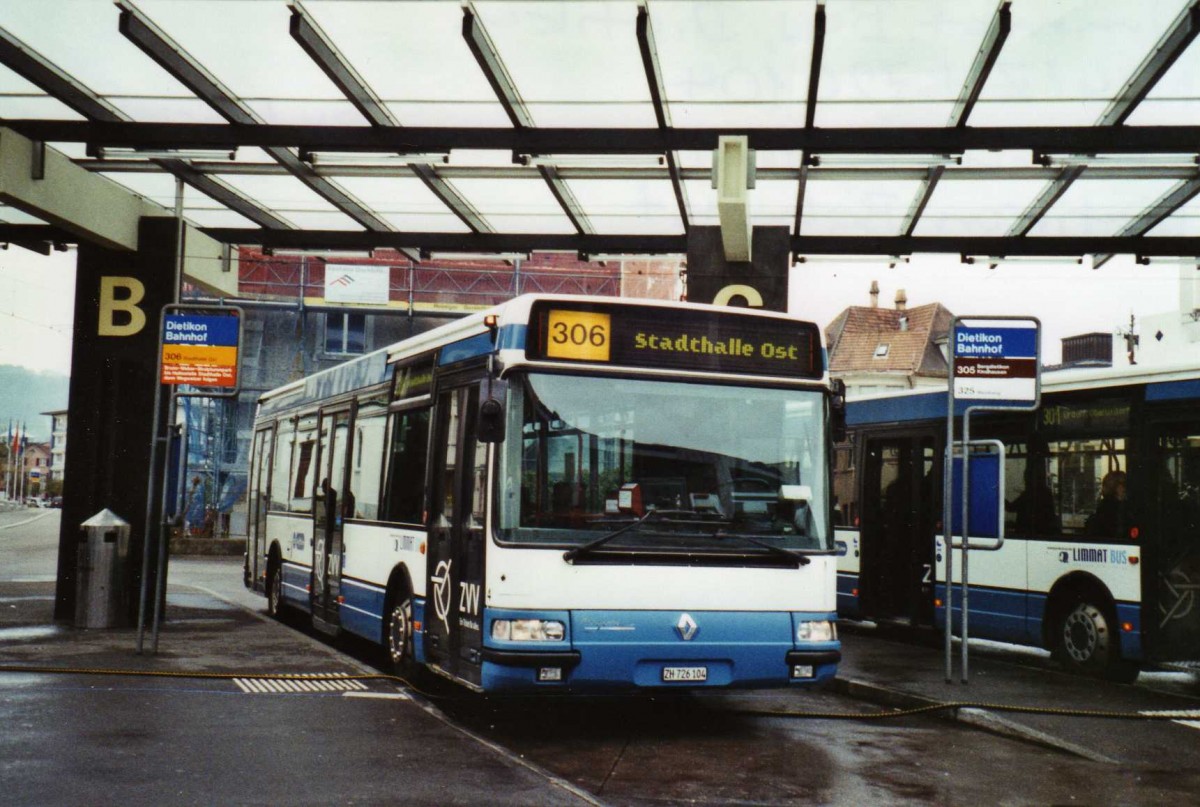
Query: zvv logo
point(441, 592)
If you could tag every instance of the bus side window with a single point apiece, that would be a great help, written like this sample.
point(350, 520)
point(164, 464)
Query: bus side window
point(845, 485)
point(282, 465)
point(302, 474)
point(367, 464)
point(405, 490)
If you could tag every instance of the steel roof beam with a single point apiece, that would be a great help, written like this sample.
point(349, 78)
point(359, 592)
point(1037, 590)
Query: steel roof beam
point(985, 60)
point(423, 139)
point(646, 46)
point(1136, 88)
point(1152, 216)
point(181, 66)
point(981, 68)
point(325, 54)
point(677, 244)
point(58, 84)
point(810, 107)
point(493, 68)
point(1164, 54)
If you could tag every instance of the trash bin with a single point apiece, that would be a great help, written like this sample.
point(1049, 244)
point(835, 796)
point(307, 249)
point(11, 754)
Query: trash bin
point(100, 593)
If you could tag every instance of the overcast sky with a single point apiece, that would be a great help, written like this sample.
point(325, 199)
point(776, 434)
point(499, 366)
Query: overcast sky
point(36, 296)
point(36, 307)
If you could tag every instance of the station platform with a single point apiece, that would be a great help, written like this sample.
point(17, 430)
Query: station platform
point(192, 723)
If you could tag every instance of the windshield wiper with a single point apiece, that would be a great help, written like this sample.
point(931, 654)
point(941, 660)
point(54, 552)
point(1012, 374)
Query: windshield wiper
point(801, 560)
point(570, 555)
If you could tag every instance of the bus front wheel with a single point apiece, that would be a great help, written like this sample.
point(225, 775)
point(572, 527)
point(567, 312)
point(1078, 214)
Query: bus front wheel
point(399, 629)
point(1087, 643)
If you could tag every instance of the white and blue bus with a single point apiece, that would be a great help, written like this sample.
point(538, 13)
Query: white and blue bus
point(1101, 558)
point(564, 494)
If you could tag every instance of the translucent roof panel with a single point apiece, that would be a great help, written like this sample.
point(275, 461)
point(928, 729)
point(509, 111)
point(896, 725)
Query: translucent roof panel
point(11, 215)
point(734, 63)
point(771, 204)
point(215, 217)
point(167, 110)
point(21, 99)
point(1100, 207)
point(1064, 61)
point(1175, 99)
point(976, 207)
point(81, 38)
point(897, 62)
point(405, 203)
point(515, 205)
point(1183, 223)
point(156, 187)
point(413, 56)
point(640, 207)
point(856, 207)
point(586, 69)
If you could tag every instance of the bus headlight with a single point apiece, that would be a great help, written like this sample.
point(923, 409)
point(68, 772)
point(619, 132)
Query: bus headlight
point(822, 631)
point(528, 630)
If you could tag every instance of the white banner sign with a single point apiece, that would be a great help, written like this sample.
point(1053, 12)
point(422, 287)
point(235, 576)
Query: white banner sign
point(349, 283)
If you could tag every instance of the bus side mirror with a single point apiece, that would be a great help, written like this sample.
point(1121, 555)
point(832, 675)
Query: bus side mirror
point(837, 409)
point(489, 428)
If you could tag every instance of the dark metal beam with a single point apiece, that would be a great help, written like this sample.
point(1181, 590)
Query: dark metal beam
point(924, 194)
point(810, 108)
point(677, 244)
point(180, 65)
point(39, 70)
point(645, 37)
point(1164, 54)
point(493, 70)
point(814, 70)
point(35, 233)
point(408, 139)
point(451, 198)
point(566, 199)
point(1153, 215)
point(1051, 194)
point(321, 50)
point(985, 60)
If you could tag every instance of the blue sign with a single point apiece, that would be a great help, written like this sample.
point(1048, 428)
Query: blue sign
point(986, 499)
point(190, 329)
point(996, 343)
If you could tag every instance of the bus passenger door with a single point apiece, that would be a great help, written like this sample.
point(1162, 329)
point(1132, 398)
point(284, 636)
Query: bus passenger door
point(454, 613)
point(900, 492)
point(327, 516)
point(259, 487)
point(1171, 577)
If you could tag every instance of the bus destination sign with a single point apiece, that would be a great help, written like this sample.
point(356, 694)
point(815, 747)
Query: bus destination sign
point(200, 350)
point(712, 341)
point(995, 363)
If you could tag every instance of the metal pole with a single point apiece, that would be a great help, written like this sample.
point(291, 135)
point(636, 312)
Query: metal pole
point(948, 523)
point(966, 536)
point(146, 537)
point(163, 534)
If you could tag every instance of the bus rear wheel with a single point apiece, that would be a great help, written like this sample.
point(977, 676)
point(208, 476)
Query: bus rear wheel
point(275, 589)
point(1086, 643)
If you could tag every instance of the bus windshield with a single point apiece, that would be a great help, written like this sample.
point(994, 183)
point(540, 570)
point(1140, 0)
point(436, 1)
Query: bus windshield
point(700, 468)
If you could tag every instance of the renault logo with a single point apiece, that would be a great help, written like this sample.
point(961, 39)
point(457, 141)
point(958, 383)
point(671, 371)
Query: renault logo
point(687, 627)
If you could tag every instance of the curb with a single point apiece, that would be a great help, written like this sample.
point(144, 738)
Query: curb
point(975, 718)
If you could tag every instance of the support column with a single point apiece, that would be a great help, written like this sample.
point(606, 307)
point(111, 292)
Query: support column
point(118, 297)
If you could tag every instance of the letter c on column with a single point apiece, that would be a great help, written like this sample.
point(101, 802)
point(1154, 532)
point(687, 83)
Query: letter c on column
point(110, 304)
point(753, 298)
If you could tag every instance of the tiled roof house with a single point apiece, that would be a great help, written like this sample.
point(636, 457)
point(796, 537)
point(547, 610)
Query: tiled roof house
point(874, 349)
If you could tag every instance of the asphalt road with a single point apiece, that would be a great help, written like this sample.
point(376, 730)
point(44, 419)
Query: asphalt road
point(715, 749)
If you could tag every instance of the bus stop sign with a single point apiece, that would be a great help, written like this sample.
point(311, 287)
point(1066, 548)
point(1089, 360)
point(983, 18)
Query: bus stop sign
point(996, 363)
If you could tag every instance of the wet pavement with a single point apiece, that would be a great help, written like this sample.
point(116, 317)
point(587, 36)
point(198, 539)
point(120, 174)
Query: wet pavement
point(102, 737)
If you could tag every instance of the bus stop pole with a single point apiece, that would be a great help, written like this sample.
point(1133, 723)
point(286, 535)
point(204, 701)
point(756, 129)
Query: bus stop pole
point(966, 534)
point(948, 529)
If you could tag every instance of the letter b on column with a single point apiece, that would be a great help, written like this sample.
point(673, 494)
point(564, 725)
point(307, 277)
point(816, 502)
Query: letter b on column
point(131, 293)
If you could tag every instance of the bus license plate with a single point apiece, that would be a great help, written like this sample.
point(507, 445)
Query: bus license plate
point(685, 674)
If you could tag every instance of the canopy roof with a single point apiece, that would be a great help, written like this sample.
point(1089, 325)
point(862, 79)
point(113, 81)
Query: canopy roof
point(880, 126)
